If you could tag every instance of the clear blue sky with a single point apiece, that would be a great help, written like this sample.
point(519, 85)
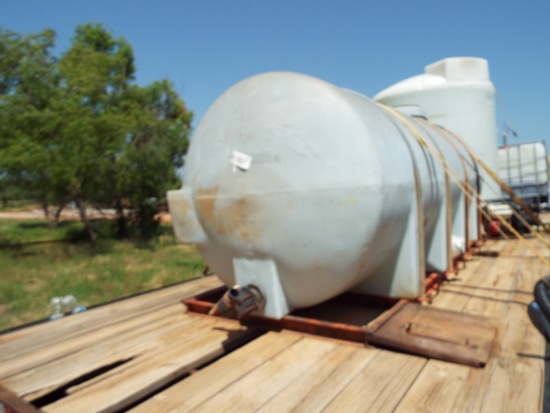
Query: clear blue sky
point(206, 46)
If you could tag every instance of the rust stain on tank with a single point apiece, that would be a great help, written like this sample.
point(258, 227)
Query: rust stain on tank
point(238, 217)
point(206, 205)
point(179, 207)
point(232, 216)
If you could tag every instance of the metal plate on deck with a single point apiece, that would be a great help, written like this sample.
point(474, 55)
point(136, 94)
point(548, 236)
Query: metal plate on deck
point(436, 333)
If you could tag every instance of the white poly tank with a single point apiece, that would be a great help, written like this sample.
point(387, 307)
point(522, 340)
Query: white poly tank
point(307, 190)
point(457, 94)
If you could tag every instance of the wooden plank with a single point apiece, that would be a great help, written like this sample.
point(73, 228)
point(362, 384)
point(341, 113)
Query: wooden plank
point(530, 274)
point(251, 391)
point(476, 270)
point(204, 384)
point(38, 357)
point(513, 383)
point(124, 346)
point(286, 372)
point(380, 385)
point(316, 387)
point(445, 387)
point(174, 340)
point(530, 341)
point(10, 402)
point(46, 334)
point(439, 387)
point(519, 379)
point(510, 382)
point(175, 356)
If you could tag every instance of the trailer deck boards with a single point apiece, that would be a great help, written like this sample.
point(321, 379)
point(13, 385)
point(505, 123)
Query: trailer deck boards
point(144, 354)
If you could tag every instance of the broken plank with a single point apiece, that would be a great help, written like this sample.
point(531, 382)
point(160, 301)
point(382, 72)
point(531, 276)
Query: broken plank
point(119, 348)
point(137, 380)
point(38, 357)
point(204, 384)
point(169, 341)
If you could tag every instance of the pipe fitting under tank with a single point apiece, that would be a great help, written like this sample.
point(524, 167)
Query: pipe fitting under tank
point(239, 301)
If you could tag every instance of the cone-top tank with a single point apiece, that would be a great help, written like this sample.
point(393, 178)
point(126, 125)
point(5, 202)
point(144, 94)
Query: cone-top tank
point(306, 190)
point(457, 94)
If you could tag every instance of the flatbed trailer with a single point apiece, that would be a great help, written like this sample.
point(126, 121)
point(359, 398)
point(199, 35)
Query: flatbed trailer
point(148, 354)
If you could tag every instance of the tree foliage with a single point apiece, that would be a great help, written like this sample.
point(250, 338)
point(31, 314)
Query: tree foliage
point(29, 80)
point(77, 128)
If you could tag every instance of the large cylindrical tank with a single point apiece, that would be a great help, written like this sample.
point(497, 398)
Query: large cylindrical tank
point(307, 190)
point(457, 94)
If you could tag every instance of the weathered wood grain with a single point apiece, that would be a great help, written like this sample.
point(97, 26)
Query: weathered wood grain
point(252, 390)
point(513, 378)
point(48, 354)
point(57, 372)
point(314, 389)
point(281, 371)
point(172, 359)
point(206, 383)
point(380, 385)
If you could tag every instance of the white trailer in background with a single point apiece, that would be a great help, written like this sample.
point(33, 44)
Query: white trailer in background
point(524, 168)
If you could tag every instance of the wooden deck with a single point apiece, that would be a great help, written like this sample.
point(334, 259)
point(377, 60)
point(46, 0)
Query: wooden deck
point(144, 354)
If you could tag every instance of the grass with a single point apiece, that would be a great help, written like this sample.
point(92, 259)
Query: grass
point(32, 273)
point(16, 232)
point(17, 204)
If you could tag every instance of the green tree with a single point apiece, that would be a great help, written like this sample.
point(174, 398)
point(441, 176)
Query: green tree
point(153, 151)
point(96, 72)
point(29, 81)
point(79, 129)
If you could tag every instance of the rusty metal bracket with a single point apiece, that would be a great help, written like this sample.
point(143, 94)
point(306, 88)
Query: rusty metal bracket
point(397, 324)
point(301, 320)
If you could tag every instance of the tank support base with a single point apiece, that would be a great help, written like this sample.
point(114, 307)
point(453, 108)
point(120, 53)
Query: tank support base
point(379, 321)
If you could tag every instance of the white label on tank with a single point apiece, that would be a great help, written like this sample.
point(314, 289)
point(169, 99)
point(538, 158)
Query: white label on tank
point(240, 160)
